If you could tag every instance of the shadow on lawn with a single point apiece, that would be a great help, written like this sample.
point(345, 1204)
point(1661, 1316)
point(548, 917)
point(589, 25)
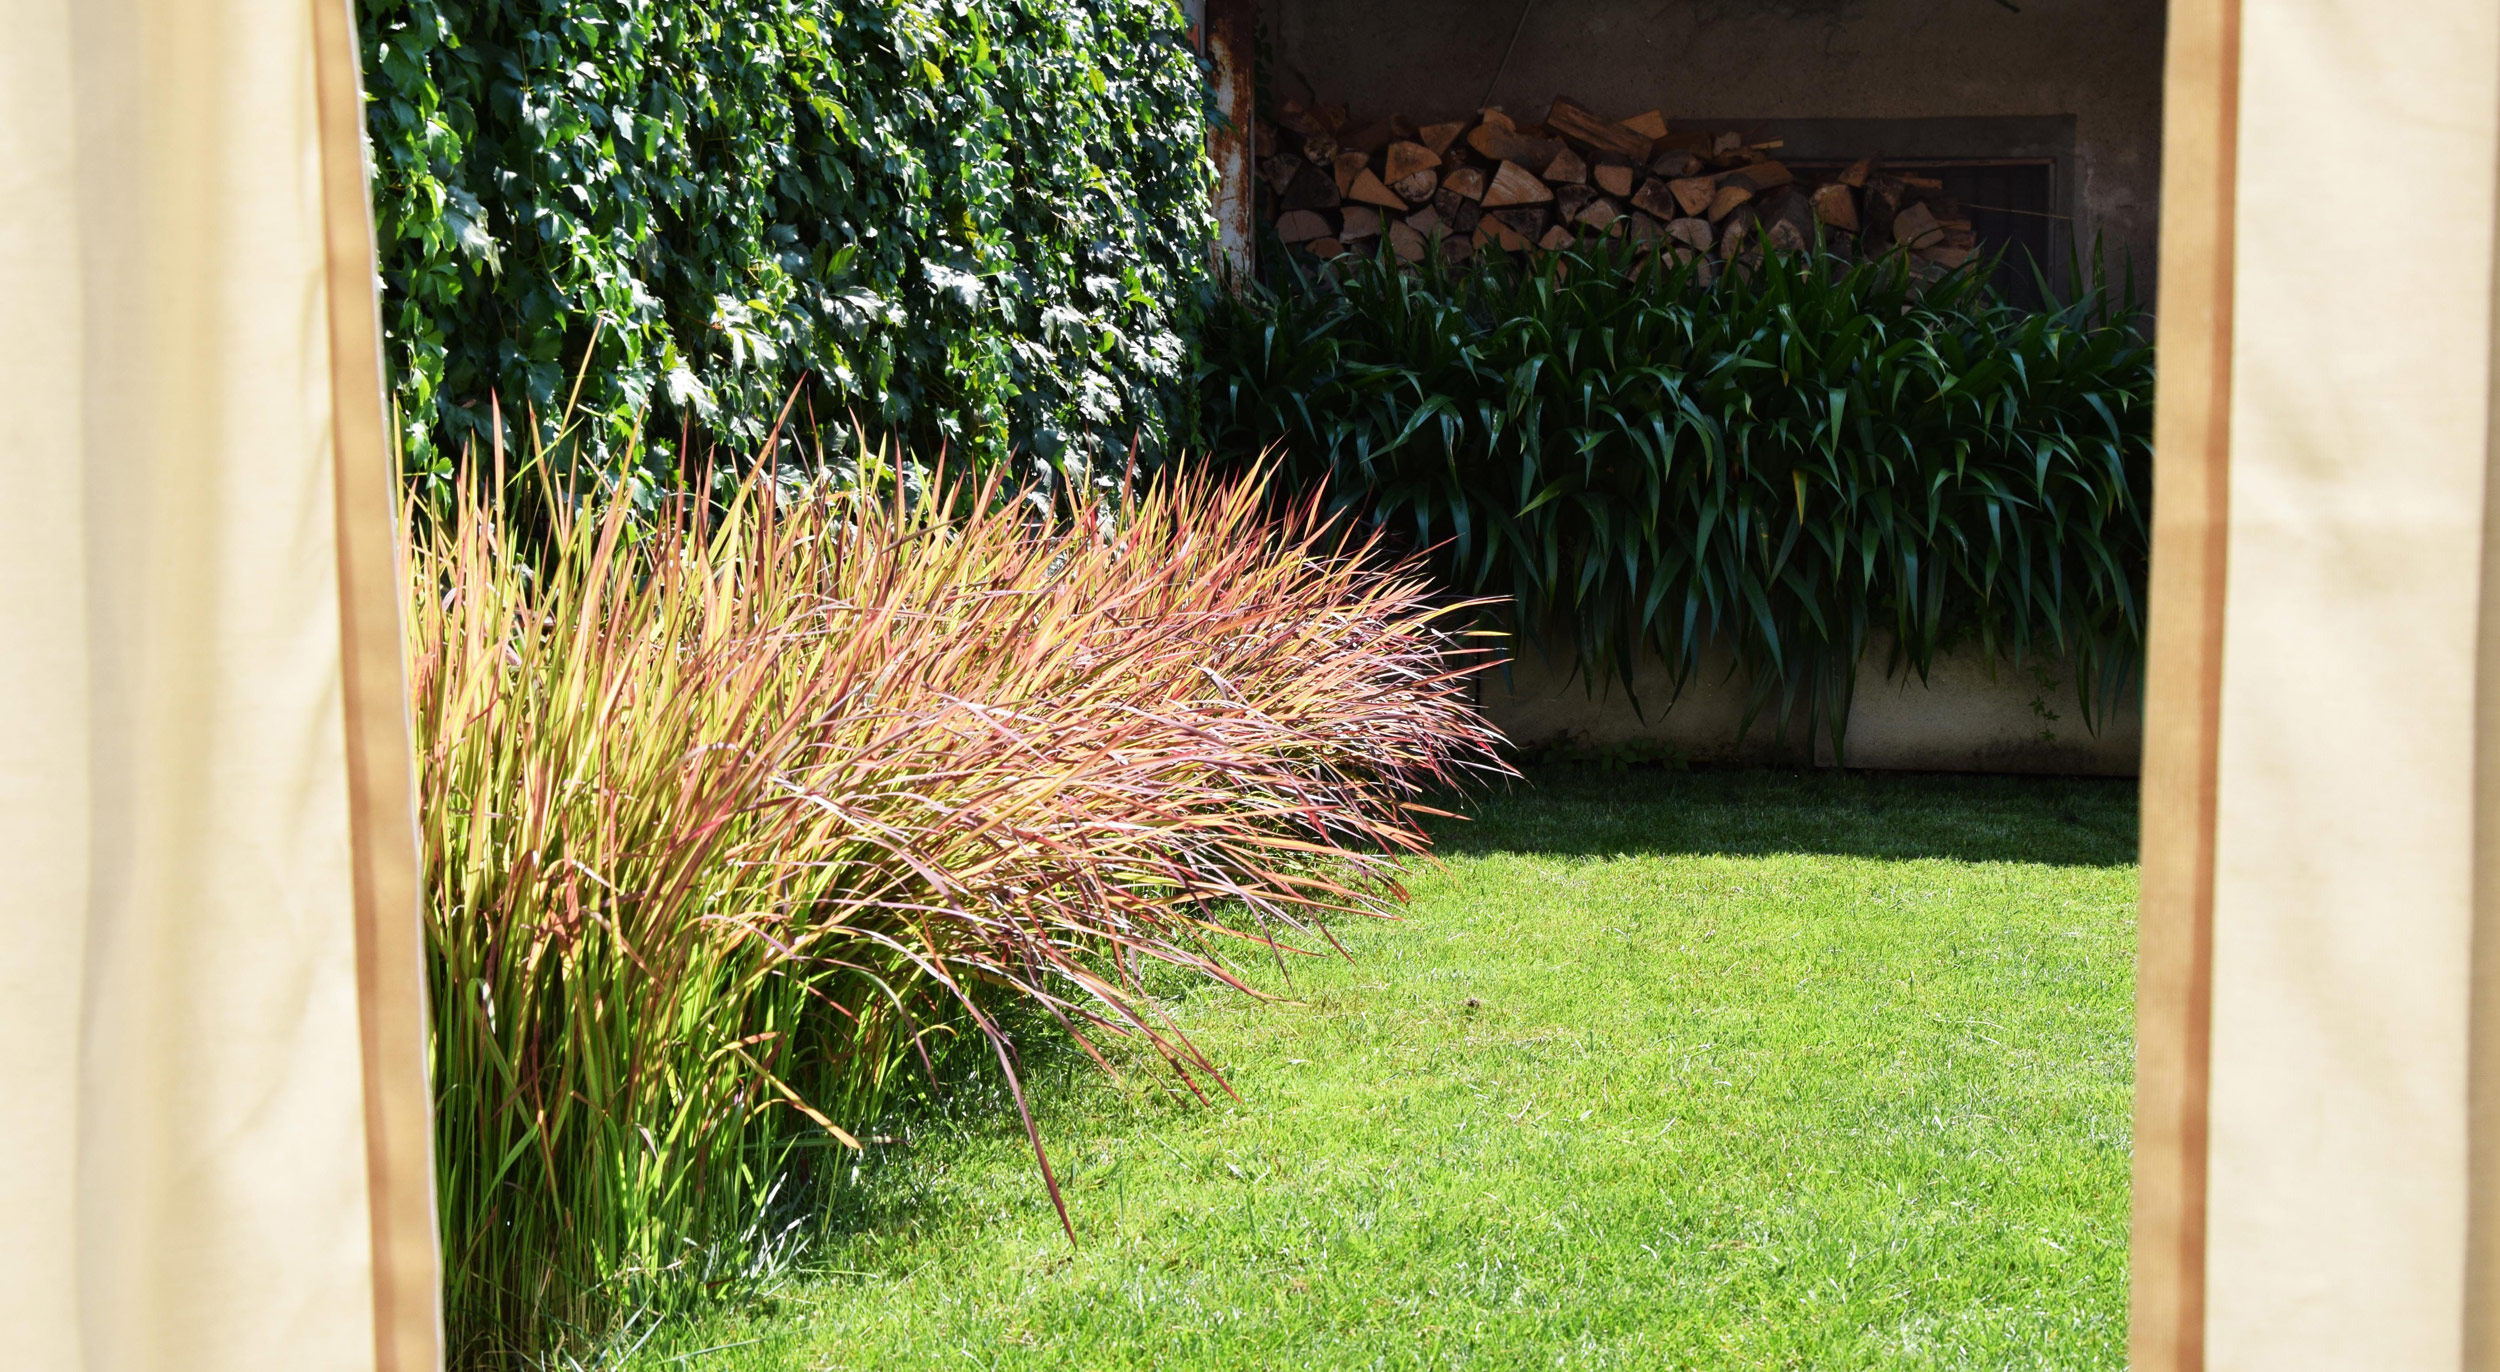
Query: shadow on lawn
point(1586, 811)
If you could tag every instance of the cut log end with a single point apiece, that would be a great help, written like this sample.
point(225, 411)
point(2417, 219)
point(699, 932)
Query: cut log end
point(1368, 190)
point(1693, 193)
point(1834, 205)
point(1301, 226)
point(1726, 200)
point(1403, 160)
point(1515, 185)
point(1416, 189)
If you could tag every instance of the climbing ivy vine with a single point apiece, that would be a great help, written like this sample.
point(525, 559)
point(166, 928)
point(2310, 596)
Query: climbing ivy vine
point(957, 223)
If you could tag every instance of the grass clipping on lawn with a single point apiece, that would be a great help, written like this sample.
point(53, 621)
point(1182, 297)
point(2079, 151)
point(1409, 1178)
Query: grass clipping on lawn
point(728, 816)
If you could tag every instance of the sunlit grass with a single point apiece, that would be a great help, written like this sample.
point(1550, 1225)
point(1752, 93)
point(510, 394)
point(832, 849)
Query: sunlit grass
point(1692, 1071)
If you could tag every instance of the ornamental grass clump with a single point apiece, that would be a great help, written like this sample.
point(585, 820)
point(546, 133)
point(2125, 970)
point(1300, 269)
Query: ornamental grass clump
point(730, 816)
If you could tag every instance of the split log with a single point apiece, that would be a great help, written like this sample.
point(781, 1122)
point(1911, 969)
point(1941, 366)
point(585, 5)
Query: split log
point(1361, 221)
point(1727, 145)
point(1501, 141)
point(1312, 189)
point(1946, 256)
point(1614, 180)
point(1675, 163)
point(1456, 249)
point(1466, 181)
point(1426, 221)
point(1510, 239)
point(1527, 221)
point(1693, 193)
point(1295, 115)
point(1785, 235)
point(1405, 242)
point(1321, 148)
point(1726, 199)
point(1655, 198)
point(1566, 169)
point(1515, 185)
point(1600, 213)
point(1280, 170)
point(1692, 233)
point(1916, 227)
point(1456, 210)
point(1582, 125)
point(1327, 247)
point(1403, 160)
point(1758, 177)
point(1835, 206)
point(1855, 177)
point(1921, 183)
point(1439, 137)
point(1570, 200)
point(1649, 124)
point(1301, 226)
point(1556, 239)
point(1349, 166)
point(1416, 189)
point(1367, 189)
point(1735, 234)
point(1645, 229)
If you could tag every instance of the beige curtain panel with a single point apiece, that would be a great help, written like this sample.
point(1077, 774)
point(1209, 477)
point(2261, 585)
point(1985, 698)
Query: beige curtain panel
point(2315, 1132)
point(213, 1133)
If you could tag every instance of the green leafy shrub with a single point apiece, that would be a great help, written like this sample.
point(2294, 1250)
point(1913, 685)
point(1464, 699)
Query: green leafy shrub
point(967, 224)
point(726, 817)
point(1788, 462)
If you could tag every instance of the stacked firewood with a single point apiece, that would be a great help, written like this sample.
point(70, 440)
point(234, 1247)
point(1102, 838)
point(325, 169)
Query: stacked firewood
point(1466, 186)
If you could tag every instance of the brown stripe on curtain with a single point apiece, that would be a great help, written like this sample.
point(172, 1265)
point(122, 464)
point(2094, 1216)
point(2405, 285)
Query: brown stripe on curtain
point(390, 952)
point(2183, 685)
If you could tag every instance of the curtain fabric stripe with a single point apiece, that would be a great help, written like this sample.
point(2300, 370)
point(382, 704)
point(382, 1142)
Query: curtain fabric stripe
point(2183, 685)
point(381, 783)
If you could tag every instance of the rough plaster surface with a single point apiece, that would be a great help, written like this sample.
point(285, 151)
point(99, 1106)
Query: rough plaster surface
point(2099, 61)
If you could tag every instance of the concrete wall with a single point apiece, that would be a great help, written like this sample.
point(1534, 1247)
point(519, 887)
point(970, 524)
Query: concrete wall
point(1757, 63)
point(1965, 717)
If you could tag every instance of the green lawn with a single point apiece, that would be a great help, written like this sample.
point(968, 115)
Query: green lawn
point(1711, 1070)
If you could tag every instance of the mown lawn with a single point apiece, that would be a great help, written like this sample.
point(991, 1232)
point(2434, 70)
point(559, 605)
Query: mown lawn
point(1709, 1070)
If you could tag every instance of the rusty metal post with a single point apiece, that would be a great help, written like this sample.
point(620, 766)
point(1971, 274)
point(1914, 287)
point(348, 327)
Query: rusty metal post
point(1232, 28)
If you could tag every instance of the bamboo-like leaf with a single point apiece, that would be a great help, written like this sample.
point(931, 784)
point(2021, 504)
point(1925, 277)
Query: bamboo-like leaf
point(1822, 445)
